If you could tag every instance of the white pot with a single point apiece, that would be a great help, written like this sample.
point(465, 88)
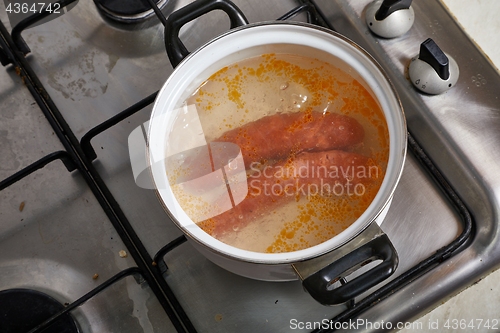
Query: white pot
point(301, 39)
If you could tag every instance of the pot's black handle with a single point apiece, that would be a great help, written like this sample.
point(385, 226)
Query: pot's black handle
point(379, 248)
point(175, 49)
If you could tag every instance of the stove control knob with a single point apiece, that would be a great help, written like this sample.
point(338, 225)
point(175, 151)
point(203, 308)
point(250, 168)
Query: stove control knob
point(390, 18)
point(433, 71)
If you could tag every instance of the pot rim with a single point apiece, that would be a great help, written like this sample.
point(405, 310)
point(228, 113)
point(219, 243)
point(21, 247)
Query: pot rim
point(379, 83)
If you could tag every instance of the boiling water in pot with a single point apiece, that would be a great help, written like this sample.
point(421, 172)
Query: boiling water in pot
point(301, 146)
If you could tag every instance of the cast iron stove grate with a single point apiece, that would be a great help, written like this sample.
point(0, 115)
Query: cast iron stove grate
point(79, 155)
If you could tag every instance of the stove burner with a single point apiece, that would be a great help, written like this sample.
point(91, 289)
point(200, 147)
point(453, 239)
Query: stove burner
point(23, 309)
point(127, 11)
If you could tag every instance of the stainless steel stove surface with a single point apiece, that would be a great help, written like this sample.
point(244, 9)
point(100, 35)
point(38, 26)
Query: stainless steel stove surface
point(63, 234)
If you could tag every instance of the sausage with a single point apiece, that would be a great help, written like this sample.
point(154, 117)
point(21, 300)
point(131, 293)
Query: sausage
point(278, 135)
point(332, 172)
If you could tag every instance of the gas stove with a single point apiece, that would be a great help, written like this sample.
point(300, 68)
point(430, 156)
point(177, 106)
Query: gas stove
point(78, 233)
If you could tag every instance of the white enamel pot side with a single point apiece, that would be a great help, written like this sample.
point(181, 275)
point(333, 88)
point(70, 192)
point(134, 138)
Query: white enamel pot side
point(254, 40)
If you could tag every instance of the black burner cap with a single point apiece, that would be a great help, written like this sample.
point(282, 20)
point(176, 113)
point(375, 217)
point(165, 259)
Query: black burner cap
point(127, 10)
point(125, 7)
point(23, 309)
